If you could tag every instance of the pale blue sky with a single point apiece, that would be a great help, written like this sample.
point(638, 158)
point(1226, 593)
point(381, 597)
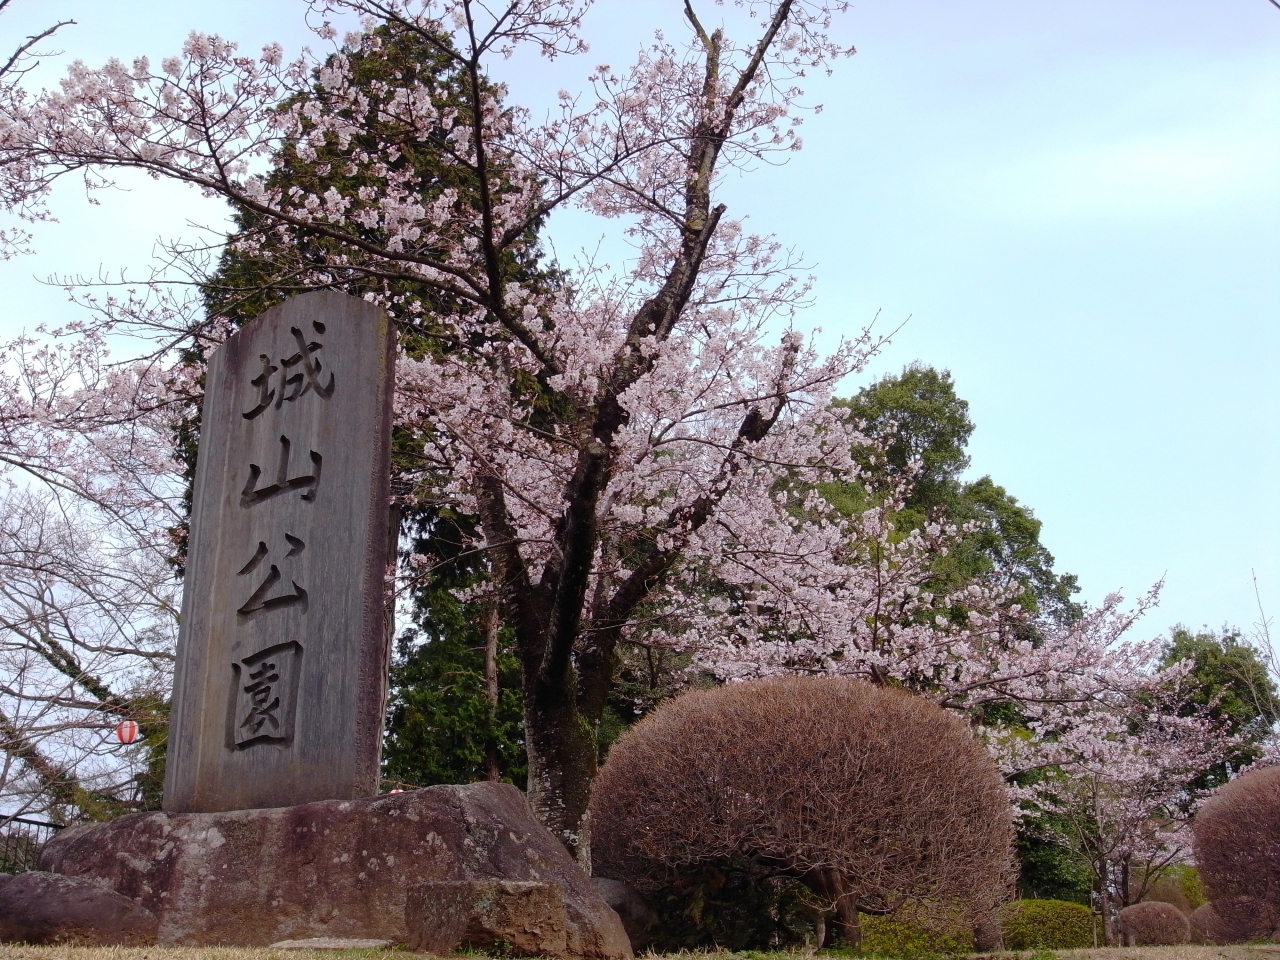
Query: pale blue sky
point(1078, 205)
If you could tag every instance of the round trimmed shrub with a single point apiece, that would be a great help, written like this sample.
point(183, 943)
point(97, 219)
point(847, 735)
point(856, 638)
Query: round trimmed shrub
point(1234, 920)
point(1153, 924)
point(1207, 927)
point(1237, 846)
point(873, 797)
point(1046, 925)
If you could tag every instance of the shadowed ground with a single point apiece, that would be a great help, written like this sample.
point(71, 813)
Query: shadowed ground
point(10, 952)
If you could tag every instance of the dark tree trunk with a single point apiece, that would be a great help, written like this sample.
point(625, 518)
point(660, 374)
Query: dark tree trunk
point(561, 747)
point(829, 884)
point(987, 935)
point(492, 768)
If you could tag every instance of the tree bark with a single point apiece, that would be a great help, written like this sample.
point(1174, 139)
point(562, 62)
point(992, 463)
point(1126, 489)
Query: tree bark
point(1104, 904)
point(492, 768)
point(561, 748)
point(829, 884)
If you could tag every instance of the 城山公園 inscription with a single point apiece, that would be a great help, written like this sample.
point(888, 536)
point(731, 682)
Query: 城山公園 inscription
point(287, 554)
point(309, 483)
point(264, 697)
point(292, 383)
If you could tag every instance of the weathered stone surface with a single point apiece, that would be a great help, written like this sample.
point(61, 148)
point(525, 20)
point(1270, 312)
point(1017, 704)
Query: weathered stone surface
point(47, 908)
point(330, 943)
point(631, 907)
point(527, 918)
point(282, 653)
point(331, 869)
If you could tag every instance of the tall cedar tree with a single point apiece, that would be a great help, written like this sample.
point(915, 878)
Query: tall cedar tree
point(454, 714)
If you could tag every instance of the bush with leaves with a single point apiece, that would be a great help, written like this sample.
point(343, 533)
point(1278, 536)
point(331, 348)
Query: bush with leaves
point(1046, 925)
point(874, 798)
point(1237, 848)
point(898, 937)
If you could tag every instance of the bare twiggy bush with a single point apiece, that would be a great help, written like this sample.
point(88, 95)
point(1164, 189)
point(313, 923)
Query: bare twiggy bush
point(1153, 924)
point(1237, 846)
point(1208, 927)
point(876, 799)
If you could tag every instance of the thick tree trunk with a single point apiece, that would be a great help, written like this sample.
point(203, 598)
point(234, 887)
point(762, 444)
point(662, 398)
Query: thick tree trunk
point(561, 747)
point(830, 886)
point(1104, 905)
point(492, 767)
point(987, 935)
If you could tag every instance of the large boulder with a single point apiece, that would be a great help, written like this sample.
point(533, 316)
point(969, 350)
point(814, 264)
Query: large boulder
point(633, 909)
point(335, 868)
point(526, 918)
point(47, 908)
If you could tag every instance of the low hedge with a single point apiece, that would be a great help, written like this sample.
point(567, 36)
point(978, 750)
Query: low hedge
point(1046, 925)
point(888, 937)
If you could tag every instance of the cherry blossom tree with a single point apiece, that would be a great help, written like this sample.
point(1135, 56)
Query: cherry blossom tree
point(13, 192)
point(605, 433)
point(88, 599)
point(1119, 780)
point(640, 447)
point(86, 642)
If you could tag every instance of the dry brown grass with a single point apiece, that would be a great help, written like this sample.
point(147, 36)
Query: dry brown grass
point(1184, 952)
point(10, 952)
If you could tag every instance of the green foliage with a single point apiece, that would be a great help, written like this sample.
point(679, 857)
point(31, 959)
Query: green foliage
point(1228, 678)
point(1187, 880)
point(1048, 870)
point(924, 426)
point(440, 727)
point(644, 679)
point(894, 937)
point(1046, 925)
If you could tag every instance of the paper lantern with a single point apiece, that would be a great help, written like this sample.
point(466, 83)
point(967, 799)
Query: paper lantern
point(127, 731)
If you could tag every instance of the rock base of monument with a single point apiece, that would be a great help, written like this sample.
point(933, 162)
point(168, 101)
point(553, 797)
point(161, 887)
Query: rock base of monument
point(638, 918)
point(45, 908)
point(343, 869)
point(524, 918)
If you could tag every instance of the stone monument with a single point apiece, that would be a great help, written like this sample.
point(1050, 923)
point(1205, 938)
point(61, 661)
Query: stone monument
point(272, 829)
point(282, 653)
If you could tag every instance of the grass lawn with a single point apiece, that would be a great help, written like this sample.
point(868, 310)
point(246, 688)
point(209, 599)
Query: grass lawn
point(9, 952)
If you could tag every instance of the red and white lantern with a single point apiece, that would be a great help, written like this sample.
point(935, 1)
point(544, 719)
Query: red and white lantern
point(127, 731)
